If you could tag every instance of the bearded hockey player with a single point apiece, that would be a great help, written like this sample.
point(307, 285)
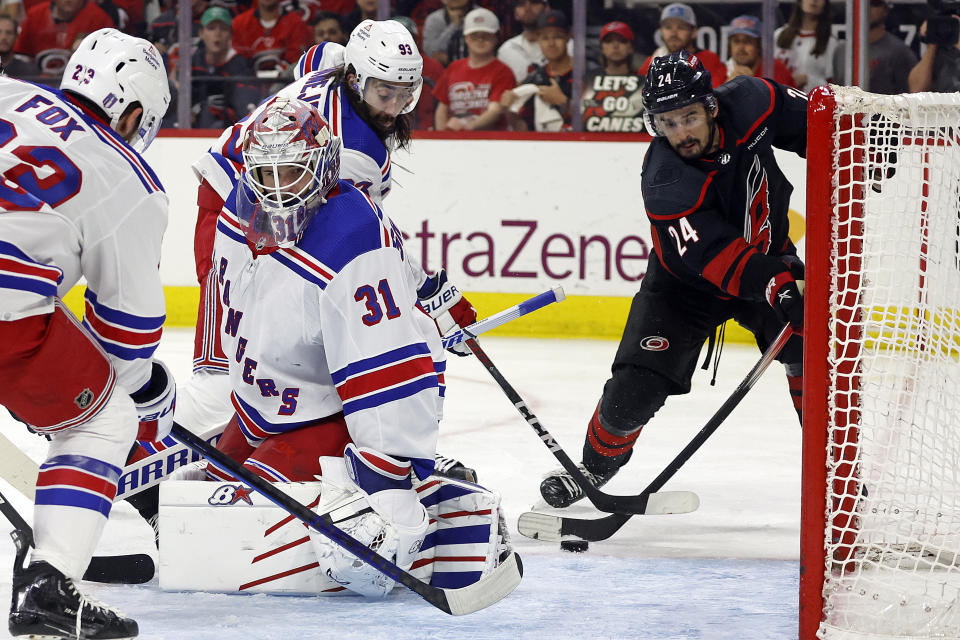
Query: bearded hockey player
point(717, 203)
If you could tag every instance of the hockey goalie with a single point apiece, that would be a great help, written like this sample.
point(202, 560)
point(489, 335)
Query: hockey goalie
point(223, 537)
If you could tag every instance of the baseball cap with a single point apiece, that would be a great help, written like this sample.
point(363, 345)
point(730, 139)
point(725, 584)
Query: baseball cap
point(622, 29)
point(681, 11)
point(480, 19)
point(746, 25)
point(553, 18)
point(216, 13)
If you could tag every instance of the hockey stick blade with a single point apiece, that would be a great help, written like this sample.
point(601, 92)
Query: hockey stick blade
point(126, 569)
point(596, 529)
point(548, 527)
point(498, 319)
point(491, 588)
point(633, 505)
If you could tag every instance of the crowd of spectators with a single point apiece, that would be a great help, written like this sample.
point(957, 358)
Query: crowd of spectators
point(488, 64)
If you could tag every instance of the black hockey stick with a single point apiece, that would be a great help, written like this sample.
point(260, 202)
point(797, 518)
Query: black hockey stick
point(645, 502)
point(134, 568)
point(492, 588)
point(547, 527)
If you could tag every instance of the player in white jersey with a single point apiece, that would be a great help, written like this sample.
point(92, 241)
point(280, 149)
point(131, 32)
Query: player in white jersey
point(365, 91)
point(78, 200)
point(330, 354)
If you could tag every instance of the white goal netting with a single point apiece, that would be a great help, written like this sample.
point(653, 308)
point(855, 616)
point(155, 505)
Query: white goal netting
point(892, 525)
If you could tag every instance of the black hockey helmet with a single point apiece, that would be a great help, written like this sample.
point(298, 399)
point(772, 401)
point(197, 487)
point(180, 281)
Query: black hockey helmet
point(674, 81)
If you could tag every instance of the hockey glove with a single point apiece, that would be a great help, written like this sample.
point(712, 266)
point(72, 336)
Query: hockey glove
point(447, 306)
point(155, 404)
point(784, 296)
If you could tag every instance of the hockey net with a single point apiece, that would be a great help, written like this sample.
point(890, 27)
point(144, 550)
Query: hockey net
point(880, 547)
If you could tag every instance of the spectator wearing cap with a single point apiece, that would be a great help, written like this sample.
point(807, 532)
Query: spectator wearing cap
point(746, 52)
point(50, 29)
point(522, 52)
point(806, 43)
point(218, 104)
point(678, 29)
point(890, 57)
point(553, 81)
point(469, 91)
point(15, 66)
point(616, 47)
point(442, 25)
point(612, 98)
point(328, 28)
point(270, 38)
point(432, 70)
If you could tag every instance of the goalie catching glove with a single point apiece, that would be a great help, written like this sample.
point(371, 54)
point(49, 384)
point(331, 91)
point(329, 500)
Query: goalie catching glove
point(155, 402)
point(447, 306)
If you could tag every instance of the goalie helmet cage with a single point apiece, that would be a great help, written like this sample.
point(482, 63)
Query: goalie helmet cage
point(880, 524)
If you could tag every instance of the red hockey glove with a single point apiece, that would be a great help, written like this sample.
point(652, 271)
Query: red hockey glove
point(447, 306)
point(784, 296)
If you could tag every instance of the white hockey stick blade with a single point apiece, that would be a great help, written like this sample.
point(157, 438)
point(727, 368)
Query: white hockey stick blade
point(547, 526)
point(490, 589)
point(18, 469)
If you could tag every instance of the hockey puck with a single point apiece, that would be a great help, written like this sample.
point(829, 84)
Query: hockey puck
point(574, 546)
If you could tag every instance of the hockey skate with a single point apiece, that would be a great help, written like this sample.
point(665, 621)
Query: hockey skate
point(453, 468)
point(560, 490)
point(46, 604)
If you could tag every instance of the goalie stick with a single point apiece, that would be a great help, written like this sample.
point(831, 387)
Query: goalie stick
point(644, 503)
point(134, 568)
point(490, 589)
point(541, 526)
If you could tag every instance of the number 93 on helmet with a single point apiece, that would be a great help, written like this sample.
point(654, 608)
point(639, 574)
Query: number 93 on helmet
point(291, 162)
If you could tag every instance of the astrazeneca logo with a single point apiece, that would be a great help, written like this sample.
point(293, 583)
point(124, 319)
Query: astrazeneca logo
point(654, 343)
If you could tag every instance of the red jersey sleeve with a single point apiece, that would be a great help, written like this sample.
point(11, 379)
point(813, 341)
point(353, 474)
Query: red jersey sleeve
point(502, 81)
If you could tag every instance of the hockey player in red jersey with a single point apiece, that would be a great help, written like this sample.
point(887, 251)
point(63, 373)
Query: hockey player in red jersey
point(78, 200)
point(717, 203)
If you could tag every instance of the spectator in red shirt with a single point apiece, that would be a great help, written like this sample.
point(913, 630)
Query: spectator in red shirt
point(746, 53)
point(328, 28)
point(50, 29)
point(678, 28)
point(270, 39)
point(469, 91)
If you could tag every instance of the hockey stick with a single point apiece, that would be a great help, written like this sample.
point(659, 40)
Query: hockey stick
point(512, 313)
point(134, 568)
point(647, 502)
point(490, 589)
point(19, 469)
point(542, 526)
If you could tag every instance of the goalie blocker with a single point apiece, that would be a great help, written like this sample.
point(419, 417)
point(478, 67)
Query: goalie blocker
point(223, 537)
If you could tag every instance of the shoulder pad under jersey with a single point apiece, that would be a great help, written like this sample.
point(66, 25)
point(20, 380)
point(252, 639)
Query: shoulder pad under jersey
point(671, 187)
point(745, 101)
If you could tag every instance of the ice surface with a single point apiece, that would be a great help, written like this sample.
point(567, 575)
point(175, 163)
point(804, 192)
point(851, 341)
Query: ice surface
point(727, 571)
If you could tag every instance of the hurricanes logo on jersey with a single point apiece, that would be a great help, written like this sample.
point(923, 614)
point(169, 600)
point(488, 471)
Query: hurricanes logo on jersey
point(756, 221)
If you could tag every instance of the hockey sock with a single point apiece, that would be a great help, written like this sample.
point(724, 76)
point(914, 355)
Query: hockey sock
point(604, 451)
point(795, 383)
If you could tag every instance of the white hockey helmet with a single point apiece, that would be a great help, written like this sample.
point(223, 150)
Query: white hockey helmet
point(386, 51)
point(114, 70)
point(292, 162)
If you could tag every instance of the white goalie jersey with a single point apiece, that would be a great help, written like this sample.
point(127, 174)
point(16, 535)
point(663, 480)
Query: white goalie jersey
point(76, 200)
point(331, 325)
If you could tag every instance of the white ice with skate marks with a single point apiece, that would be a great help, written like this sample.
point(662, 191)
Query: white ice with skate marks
point(726, 571)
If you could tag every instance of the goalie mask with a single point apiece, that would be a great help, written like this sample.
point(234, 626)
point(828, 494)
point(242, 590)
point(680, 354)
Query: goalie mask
point(387, 64)
point(291, 161)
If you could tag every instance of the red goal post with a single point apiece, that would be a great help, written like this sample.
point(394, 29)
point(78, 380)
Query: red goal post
point(880, 524)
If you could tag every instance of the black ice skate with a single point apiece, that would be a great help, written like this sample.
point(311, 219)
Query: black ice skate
point(560, 490)
point(46, 604)
point(453, 468)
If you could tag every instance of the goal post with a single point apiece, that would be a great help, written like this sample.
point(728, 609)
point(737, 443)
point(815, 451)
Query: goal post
point(880, 523)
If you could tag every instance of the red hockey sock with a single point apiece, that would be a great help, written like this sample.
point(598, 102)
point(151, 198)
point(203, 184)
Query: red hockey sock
point(796, 393)
point(606, 443)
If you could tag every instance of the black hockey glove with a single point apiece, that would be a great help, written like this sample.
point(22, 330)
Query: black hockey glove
point(784, 296)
